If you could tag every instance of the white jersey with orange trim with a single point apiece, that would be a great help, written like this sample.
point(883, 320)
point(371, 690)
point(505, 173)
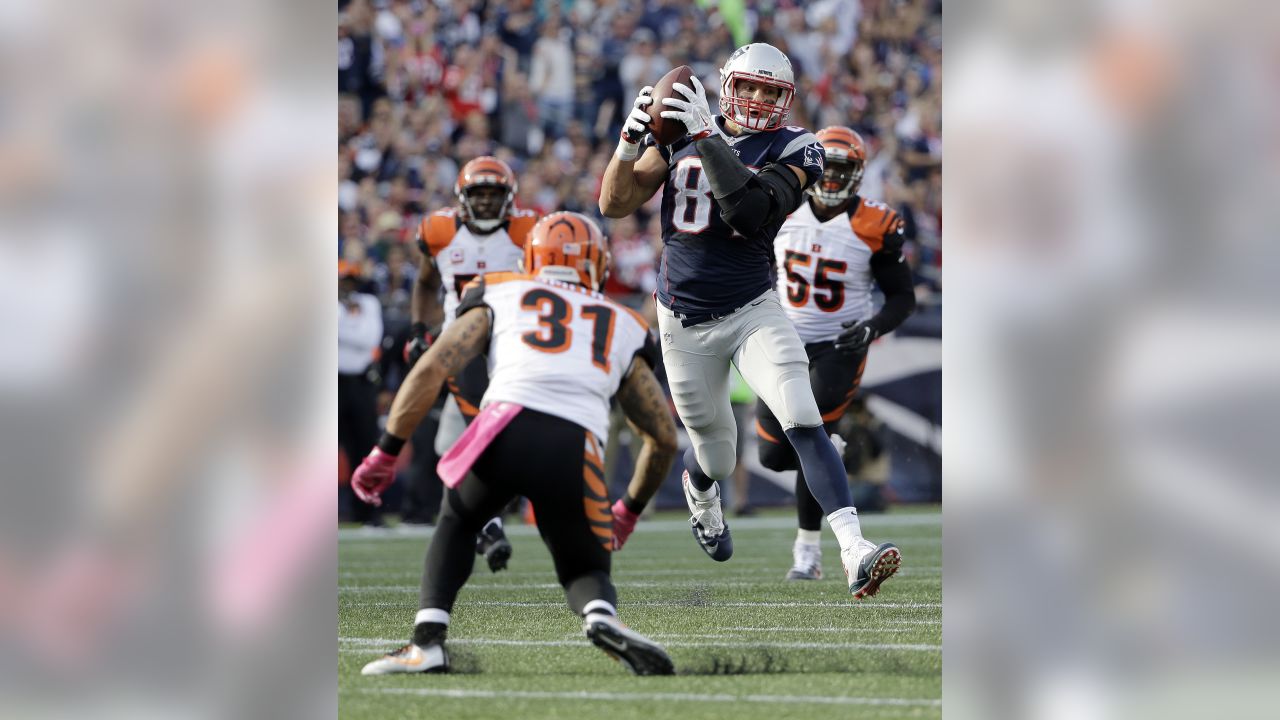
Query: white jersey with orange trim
point(461, 255)
point(824, 268)
point(558, 348)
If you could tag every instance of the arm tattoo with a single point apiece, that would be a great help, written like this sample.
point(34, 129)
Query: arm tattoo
point(462, 341)
point(645, 406)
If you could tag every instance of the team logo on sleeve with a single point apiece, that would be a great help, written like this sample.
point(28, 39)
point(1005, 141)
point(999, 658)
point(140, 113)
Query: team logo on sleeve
point(813, 156)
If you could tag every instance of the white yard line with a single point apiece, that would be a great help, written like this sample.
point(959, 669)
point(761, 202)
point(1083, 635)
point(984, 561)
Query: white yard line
point(805, 630)
point(672, 584)
point(644, 697)
point(710, 605)
point(645, 526)
point(917, 647)
point(799, 630)
point(504, 586)
point(619, 574)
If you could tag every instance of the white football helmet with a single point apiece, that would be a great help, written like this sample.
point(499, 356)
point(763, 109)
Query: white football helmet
point(764, 64)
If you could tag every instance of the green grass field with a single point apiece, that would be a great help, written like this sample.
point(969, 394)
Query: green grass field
point(746, 644)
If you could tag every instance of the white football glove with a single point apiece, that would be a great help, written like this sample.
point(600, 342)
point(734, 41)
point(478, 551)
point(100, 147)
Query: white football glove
point(693, 111)
point(633, 128)
point(839, 444)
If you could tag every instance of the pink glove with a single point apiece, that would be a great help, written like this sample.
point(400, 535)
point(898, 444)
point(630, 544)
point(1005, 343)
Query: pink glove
point(374, 476)
point(624, 521)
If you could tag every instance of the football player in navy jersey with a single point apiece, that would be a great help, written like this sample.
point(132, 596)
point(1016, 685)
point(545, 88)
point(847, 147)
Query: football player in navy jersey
point(831, 252)
point(727, 186)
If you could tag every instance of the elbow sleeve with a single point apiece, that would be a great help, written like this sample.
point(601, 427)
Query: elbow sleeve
point(894, 278)
point(766, 199)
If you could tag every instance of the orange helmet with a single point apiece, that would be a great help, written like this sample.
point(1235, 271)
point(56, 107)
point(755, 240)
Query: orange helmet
point(481, 172)
point(846, 156)
point(349, 269)
point(568, 246)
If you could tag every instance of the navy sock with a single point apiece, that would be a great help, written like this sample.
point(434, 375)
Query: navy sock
point(697, 478)
point(822, 468)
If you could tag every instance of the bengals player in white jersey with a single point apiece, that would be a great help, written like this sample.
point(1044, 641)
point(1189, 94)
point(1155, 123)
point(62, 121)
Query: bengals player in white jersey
point(484, 233)
point(558, 350)
point(829, 252)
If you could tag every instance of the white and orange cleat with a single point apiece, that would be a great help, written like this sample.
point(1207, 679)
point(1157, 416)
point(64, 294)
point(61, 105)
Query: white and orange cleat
point(638, 653)
point(410, 659)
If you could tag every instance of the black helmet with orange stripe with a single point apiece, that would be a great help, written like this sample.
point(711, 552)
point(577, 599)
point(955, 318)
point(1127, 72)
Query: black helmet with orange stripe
point(567, 246)
point(846, 156)
point(486, 192)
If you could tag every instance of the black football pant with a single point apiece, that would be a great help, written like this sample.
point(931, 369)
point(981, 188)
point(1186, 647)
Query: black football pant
point(559, 467)
point(422, 499)
point(468, 386)
point(423, 491)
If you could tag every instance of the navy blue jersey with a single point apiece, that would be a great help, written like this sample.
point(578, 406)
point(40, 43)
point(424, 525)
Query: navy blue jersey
point(707, 267)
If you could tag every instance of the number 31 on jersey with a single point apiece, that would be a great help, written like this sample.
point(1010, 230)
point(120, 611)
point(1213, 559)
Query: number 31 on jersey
point(554, 334)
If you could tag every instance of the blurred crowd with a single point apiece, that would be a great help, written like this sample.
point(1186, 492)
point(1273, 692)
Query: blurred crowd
point(426, 85)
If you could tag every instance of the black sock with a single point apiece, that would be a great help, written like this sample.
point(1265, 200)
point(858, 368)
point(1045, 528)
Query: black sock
point(593, 585)
point(428, 632)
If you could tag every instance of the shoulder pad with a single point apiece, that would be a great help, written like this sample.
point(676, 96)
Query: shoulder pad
point(795, 131)
point(437, 230)
point(493, 278)
point(876, 224)
point(520, 225)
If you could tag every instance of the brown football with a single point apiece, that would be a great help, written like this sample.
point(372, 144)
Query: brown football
point(666, 131)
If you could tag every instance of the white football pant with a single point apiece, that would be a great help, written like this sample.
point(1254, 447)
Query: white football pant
point(760, 340)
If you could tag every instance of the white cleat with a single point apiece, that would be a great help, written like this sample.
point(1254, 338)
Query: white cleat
point(410, 659)
point(867, 565)
point(707, 519)
point(807, 562)
point(638, 653)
